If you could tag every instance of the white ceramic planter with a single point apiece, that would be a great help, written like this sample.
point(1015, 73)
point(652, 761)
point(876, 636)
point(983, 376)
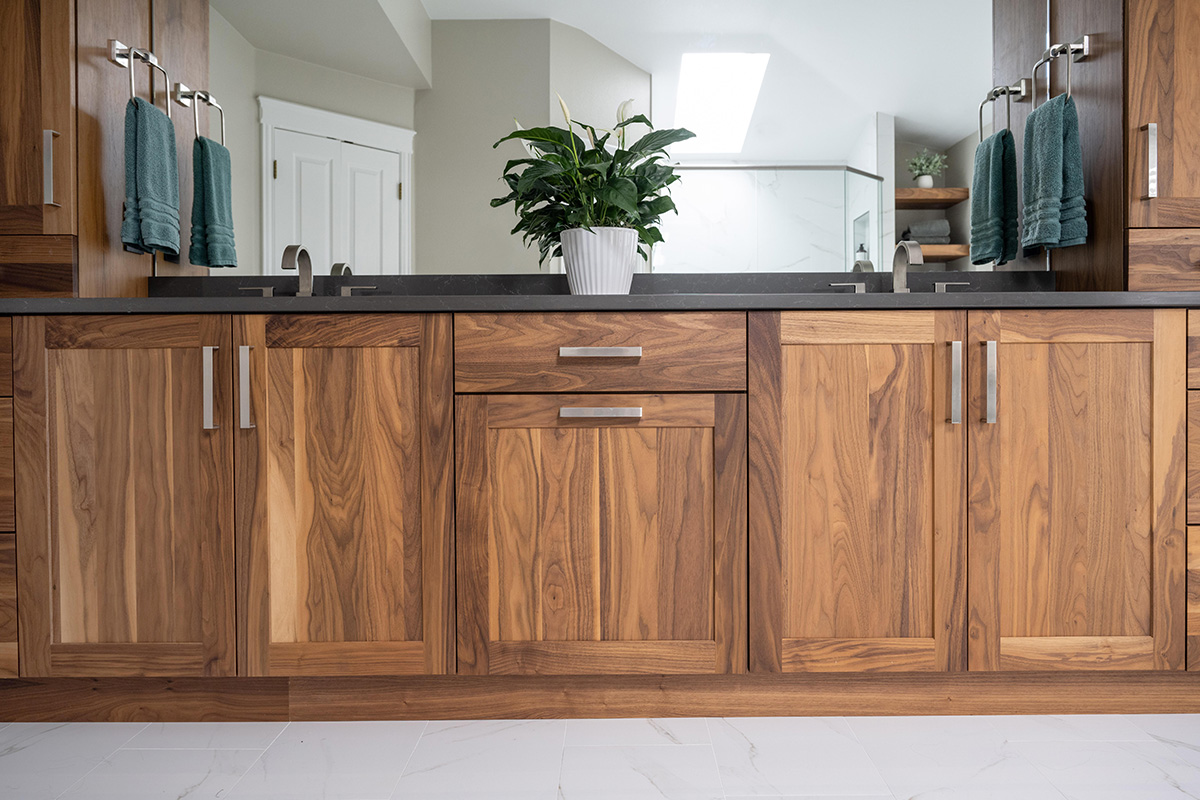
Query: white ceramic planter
point(925, 181)
point(599, 261)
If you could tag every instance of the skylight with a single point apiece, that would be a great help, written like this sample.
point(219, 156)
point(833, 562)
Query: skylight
point(717, 96)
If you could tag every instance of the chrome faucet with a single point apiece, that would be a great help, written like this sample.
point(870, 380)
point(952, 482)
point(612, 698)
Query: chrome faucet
point(295, 256)
point(907, 254)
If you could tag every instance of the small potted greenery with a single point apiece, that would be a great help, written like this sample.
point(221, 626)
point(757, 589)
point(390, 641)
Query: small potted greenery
point(592, 204)
point(925, 166)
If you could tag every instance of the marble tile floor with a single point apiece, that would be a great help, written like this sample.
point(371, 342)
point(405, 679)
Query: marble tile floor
point(1084, 757)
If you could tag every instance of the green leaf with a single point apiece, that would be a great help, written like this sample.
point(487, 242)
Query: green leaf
point(549, 135)
point(622, 193)
point(657, 140)
point(635, 118)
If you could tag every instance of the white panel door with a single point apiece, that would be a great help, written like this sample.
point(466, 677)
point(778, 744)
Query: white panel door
point(372, 232)
point(309, 198)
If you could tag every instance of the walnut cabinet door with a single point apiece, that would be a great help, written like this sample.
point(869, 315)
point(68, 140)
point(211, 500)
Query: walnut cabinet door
point(1077, 469)
point(601, 533)
point(344, 493)
point(857, 491)
point(125, 546)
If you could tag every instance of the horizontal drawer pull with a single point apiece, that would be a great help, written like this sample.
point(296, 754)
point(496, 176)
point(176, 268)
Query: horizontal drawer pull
point(600, 412)
point(599, 352)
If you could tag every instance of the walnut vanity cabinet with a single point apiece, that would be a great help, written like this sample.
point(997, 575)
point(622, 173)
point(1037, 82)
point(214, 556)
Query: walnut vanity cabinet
point(344, 441)
point(857, 491)
point(125, 546)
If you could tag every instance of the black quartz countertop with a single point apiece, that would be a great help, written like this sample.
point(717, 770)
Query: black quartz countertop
point(650, 293)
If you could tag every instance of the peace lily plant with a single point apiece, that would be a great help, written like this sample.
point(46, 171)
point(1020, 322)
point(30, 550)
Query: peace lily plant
point(591, 203)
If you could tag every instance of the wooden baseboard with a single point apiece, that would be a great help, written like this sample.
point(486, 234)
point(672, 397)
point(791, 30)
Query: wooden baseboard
point(509, 697)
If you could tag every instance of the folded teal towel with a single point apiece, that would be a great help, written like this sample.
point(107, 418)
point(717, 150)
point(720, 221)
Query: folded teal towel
point(994, 200)
point(151, 218)
point(212, 207)
point(1053, 177)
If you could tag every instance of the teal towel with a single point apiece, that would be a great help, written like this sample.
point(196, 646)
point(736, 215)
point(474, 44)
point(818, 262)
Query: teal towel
point(994, 200)
point(1053, 177)
point(151, 218)
point(212, 207)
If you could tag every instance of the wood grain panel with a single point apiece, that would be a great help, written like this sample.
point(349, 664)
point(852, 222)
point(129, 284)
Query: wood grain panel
point(1097, 325)
point(8, 501)
point(344, 530)
point(119, 332)
point(58, 110)
point(1169, 489)
point(860, 654)
point(1193, 458)
point(343, 330)
point(1077, 652)
point(1193, 599)
point(37, 266)
point(1164, 259)
point(151, 659)
point(145, 699)
point(767, 491)
point(863, 327)
point(8, 605)
point(681, 351)
point(6, 357)
point(580, 657)
point(658, 410)
point(20, 127)
point(911, 197)
point(472, 519)
point(1193, 349)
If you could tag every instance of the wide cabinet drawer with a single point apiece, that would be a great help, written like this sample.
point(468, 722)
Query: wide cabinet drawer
point(600, 352)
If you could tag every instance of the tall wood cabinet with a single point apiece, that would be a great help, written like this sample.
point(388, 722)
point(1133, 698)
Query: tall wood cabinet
point(857, 491)
point(125, 540)
point(344, 442)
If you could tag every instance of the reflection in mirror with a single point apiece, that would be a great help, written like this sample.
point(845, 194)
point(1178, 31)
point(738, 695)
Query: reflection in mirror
point(805, 115)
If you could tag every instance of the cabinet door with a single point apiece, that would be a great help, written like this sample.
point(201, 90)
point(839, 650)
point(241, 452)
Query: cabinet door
point(344, 494)
point(124, 495)
point(1162, 61)
point(612, 542)
point(37, 129)
point(1077, 490)
point(857, 497)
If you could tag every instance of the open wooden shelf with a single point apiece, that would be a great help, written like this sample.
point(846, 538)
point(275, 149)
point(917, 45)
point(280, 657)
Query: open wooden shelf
point(924, 199)
point(937, 253)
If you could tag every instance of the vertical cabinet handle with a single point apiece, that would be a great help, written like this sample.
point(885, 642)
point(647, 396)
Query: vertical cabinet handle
point(955, 383)
point(990, 377)
point(244, 387)
point(1151, 130)
point(48, 137)
point(209, 387)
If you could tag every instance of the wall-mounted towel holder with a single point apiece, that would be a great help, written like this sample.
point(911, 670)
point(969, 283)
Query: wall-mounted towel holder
point(123, 56)
point(192, 98)
point(1019, 90)
point(1079, 50)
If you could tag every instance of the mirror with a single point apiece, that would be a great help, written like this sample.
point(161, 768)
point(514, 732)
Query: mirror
point(364, 128)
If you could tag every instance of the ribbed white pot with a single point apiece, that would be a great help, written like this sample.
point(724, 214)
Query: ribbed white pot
point(599, 261)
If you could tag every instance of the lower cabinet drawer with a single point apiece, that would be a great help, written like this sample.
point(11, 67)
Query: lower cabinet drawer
point(8, 606)
point(1164, 259)
point(601, 534)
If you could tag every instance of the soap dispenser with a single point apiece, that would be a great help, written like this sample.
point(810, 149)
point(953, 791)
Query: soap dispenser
point(862, 262)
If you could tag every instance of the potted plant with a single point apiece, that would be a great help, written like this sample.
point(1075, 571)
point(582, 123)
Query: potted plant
point(925, 166)
point(592, 204)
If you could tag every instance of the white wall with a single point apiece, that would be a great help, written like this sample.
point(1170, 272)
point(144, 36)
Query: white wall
point(238, 74)
point(593, 80)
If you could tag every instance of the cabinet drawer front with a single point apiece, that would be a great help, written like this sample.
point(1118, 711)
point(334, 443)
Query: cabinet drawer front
point(669, 352)
point(1164, 260)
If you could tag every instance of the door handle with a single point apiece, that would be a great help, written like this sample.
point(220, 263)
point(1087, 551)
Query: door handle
point(207, 354)
point(955, 383)
point(600, 412)
point(1151, 130)
point(990, 378)
point(48, 137)
point(599, 352)
point(244, 387)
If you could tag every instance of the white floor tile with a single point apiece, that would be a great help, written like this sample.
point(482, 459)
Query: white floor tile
point(332, 761)
point(792, 756)
point(686, 772)
point(1108, 771)
point(1176, 729)
point(1075, 728)
point(172, 774)
point(493, 759)
point(42, 760)
point(630, 732)
point(207, 736)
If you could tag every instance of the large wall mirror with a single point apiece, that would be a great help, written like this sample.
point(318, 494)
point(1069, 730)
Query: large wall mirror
point(363, 129)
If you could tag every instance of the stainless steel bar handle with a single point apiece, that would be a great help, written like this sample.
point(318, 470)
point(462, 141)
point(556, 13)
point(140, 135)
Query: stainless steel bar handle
point(244, 387)
point(600, 412)
point(48, 137)
point(956, 392)
point(1151, 130)
point(599, 352)
point(990, 368)
point(209, 387)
